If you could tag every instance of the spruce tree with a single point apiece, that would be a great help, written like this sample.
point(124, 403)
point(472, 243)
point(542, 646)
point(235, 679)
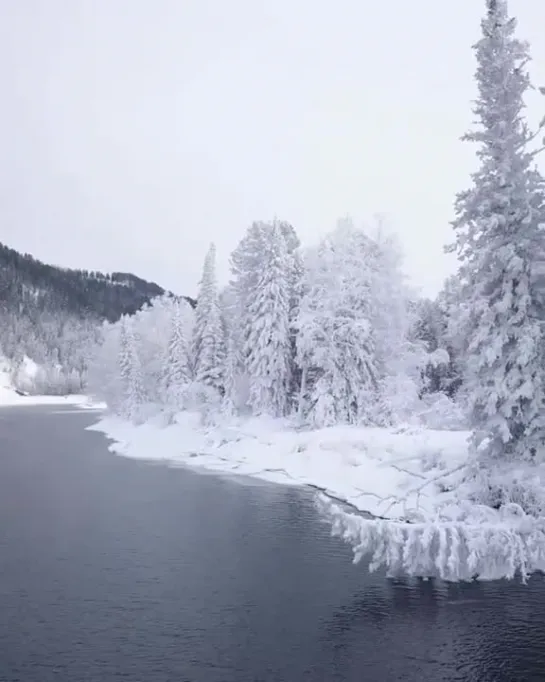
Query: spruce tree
point(497, 225)
point(130, 371)
point(176, 372)
point(335, 341)
point(124, 363)
point(268, 349)
point(230, 398)
point(208, 343)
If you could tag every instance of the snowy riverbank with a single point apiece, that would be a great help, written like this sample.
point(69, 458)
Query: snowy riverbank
point(379, 471)
point(412, 479)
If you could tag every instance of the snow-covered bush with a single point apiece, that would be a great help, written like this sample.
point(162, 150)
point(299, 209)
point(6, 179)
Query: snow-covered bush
point(438, 411)
point(202, 398)
point(54, 379)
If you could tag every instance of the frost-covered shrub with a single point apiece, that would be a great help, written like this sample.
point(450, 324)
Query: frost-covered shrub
point(522, 486)
point(34, 379)
point(199, 397)
point(437, 411)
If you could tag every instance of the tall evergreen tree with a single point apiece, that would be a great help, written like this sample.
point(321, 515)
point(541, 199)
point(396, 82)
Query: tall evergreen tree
point(267, 349)
point(497, 224)
point(176, 372)
point(130, 371)
point(296, 283)
point(230, 398)
point(124, 359)
point(335, 342)
point(249, 262)
point(208, 349)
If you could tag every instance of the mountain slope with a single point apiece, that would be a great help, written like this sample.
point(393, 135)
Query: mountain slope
point(53, 316)
point(27, 283)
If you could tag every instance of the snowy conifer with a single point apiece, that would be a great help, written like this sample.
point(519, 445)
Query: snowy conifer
point(230, 397)
point(131, 374)
point(208, 343)
point(399, 357)
point(176, 371)
point(231, 316)
point(335, 343)
point(249, 263)
point(124, 357)
point(267, 337)
point(496, 226)
point(297, 274)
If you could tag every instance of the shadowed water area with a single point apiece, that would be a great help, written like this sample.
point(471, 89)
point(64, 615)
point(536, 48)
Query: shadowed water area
point(112, 569)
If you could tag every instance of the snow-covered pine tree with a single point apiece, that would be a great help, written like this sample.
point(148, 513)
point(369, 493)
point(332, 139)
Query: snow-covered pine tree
point(399, 357)
point(496, 224)
point(248, 264)
point(137, 389)
point(231, 315)
point(124, 360)
point(105, 381)
point(297, 274)
point(267, 348)
point(335, 342)
point(176, 374)
point(130, 371)
point(208, 348)
point(250, 256)
point(230, 397)
point(451, 306)
point(430, 331)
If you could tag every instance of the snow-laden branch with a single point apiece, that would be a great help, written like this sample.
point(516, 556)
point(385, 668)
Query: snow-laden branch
point(500, 544)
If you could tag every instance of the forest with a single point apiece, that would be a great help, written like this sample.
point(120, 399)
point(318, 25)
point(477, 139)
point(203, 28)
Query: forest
point(327, 335)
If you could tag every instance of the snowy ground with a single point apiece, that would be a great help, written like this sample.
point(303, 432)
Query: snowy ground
point(375, 470)
point(411, 482)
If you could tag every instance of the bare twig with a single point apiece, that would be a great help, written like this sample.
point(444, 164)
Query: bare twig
point(438, 477)
point(406, 471)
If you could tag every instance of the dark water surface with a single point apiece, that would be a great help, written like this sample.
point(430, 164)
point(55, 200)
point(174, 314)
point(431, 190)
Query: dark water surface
point(112, 569)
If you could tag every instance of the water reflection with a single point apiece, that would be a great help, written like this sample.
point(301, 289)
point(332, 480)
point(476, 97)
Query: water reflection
point(478, 631)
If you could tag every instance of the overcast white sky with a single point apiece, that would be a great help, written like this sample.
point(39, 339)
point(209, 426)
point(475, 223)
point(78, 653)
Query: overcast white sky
point(134, 132)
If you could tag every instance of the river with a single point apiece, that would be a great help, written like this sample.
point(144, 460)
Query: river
point(120, 570)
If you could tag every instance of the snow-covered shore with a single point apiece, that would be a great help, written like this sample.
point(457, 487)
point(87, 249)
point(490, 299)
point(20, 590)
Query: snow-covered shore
point(379, 471)
point(11, 398)
point(410, 480)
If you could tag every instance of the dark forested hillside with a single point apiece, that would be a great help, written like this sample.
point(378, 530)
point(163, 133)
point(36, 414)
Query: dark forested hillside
point(52, 314)
point(27, 283)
